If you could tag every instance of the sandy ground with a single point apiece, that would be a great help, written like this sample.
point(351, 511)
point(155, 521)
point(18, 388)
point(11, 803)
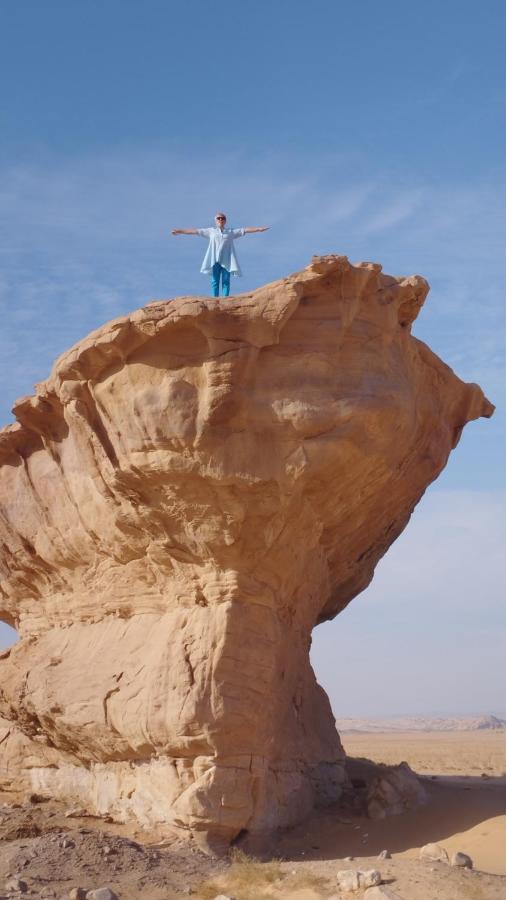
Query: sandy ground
point(469, 770)
point(467, 811)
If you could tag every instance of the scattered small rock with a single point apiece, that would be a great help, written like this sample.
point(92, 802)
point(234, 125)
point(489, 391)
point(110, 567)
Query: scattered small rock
point(349, 858)
point(103, 893)
point(347, 880)
point(462, 860)
point(67, 844)
point(224, 897)
point(77, 893)
point(385, 854)
point(17, 885)
point(434, 853)
point(357, 879)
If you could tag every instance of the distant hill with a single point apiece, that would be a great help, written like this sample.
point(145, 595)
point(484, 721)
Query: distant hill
point(421, 723)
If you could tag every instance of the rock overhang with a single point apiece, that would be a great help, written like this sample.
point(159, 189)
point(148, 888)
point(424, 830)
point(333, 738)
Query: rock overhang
point(193, 488)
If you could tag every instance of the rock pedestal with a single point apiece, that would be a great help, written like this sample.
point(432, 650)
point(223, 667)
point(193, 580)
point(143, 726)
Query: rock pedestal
point(193, 489)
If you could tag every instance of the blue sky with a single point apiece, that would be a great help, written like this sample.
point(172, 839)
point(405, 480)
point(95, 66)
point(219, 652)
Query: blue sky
point(372, 129)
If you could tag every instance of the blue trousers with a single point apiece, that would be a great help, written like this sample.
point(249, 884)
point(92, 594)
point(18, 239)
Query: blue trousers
point(218, 271)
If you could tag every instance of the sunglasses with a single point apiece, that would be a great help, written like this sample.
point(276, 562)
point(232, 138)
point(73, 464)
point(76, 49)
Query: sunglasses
point(223, 219)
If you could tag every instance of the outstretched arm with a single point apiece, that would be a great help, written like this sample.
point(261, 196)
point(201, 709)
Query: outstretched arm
point(252, 230)
point(185, 231)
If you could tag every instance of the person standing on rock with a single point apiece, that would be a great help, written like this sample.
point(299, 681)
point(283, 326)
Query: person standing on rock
point(220, 261)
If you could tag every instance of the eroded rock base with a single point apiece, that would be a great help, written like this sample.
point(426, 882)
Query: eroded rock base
point(169, 795)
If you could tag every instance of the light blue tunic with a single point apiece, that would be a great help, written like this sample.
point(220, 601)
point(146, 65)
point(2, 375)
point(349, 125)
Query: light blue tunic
point(221, 249)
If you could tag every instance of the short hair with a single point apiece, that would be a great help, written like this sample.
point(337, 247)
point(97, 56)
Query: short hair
point(219, 213)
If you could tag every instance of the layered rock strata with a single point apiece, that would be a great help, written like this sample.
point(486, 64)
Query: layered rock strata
point(193, 489)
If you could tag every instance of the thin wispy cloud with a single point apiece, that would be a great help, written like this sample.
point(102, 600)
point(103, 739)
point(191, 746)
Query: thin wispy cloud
point(402, 209)
point(345, 204)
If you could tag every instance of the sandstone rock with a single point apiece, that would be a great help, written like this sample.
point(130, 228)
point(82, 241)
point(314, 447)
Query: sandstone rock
point(193, 489)
point(434, 853)
point(77, 893)
point(385, 854)
point(462, 860)
point(369, 878)
point(349, 880)
point(394, 791)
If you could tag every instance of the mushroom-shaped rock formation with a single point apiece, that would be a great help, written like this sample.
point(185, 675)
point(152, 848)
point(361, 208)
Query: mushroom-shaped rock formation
point(193, 489)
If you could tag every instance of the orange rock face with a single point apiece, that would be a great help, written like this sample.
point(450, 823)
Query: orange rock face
point(194, 488)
